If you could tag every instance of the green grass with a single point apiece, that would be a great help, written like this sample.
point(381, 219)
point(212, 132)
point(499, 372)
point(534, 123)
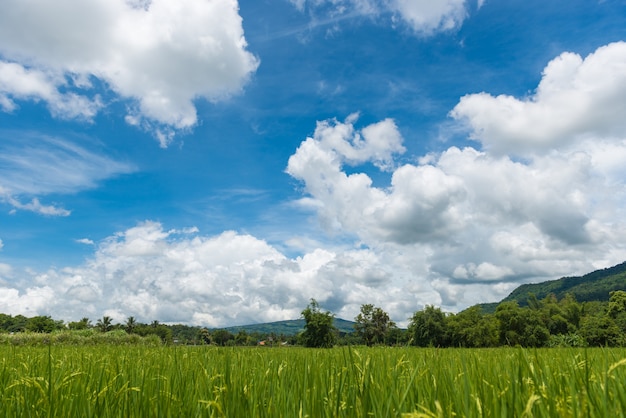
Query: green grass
point(145, 381)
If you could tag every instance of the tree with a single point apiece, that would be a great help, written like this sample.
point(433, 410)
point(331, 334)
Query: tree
point(601, 330)
point(373, 325)
point(242, 338)
point(521, 326)
point(163, 332)
point(617, 303)
point(470, 328)
point(204, 336)
point(43, 324)
point(428, 327)
point(105, 324)
point(131, 324)
point(222, 336)
point(18, 323)
point(319, 330)
point(554, 317)
point(84, 323)
point(572, 310)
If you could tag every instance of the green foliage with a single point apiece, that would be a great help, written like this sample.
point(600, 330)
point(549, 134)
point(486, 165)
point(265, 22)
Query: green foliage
point(519, 326)
point(10, 323)
point(617, 303)
point(601, 330)
point(88, 337)
point(105, 324)
point(222, 337)
point(566, 340)
point(470, 328)
point(43, 324)
point(373, 325)
point(141, 381)
point(428, 327)
point(204, 336)
point(159, 330)
point(318, 329)
point(131, 324)
point(593, 286)
point(242, 338)
point(84, 323)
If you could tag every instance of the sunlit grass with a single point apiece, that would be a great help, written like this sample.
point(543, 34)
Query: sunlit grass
point(140, 381)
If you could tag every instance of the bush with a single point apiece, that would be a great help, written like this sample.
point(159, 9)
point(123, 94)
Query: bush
point(78, 338)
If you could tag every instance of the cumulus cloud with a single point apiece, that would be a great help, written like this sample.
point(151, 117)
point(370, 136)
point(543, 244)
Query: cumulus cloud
point(231, 278)
point(19, 83)
point(487, 217)
point(459, 191)
point(31, 302)
point(160, 55)
point(33, 164)
point(577, 99)
point(423, 17)
point(417, 206)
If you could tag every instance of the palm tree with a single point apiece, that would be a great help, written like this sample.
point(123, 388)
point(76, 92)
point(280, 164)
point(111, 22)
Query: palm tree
point(105, 324)
point(131, 323)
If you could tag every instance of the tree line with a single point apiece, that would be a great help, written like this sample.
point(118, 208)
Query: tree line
point(542, 323)
point(548, 322)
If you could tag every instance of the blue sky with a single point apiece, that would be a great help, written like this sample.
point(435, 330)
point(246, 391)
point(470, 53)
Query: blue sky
point(215, 162)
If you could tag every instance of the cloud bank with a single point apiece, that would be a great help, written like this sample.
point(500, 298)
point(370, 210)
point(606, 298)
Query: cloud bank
point(180, 276)
point(158, 55)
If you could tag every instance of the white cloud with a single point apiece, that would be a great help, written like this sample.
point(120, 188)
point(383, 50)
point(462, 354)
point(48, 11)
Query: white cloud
point(415, 208)
point(482, 272)
point(19, 83)
point(85, 241)
point(422, 16)
point(299, 4)
point(430, 16)
point(32, 302)
point(577, 99)
point(35, 206)
point(485, 221)
point(33, 164)
point(162, 54)
point(221, 280)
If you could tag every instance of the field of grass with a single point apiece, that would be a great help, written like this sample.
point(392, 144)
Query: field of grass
point(145, 381)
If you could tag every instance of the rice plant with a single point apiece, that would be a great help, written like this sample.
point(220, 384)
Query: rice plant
point(158, 381)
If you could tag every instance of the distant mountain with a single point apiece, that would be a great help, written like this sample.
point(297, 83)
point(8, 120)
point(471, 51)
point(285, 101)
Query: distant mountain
point(290, 327)
point(594, 286)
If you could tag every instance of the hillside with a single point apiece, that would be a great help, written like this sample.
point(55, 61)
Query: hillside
point(289, 327)
point(594, 286)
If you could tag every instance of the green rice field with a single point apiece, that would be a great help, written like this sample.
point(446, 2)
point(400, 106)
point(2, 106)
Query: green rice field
point(148, 381)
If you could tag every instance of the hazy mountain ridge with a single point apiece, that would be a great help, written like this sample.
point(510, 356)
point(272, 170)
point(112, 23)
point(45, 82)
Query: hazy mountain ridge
point(288, 327)
point(594, 286)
